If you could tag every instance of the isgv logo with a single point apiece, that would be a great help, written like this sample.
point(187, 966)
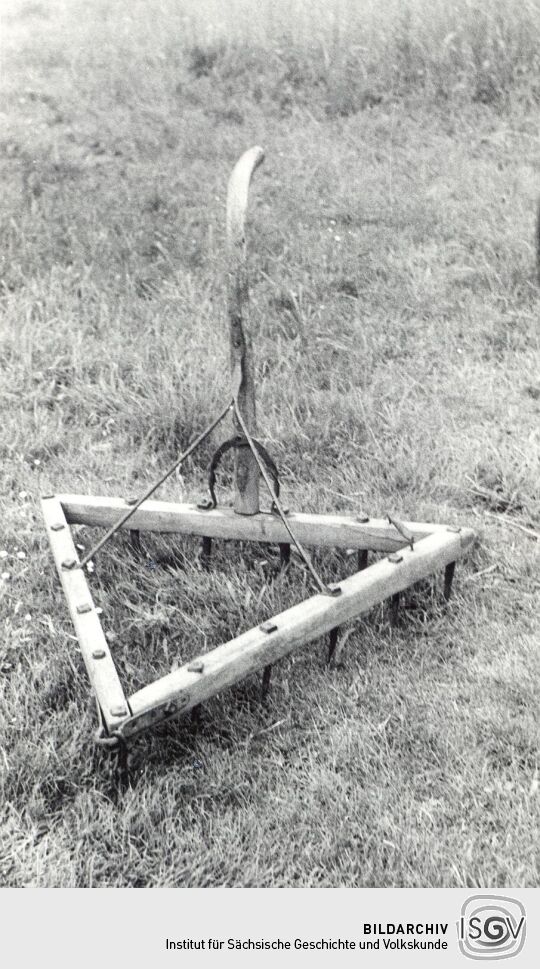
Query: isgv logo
point(491, 927)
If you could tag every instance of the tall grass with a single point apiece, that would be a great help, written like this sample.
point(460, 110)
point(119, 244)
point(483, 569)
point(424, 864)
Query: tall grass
point(354, 49)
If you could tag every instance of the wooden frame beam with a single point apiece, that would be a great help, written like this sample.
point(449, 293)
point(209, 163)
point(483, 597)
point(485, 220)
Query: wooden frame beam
point(336, 531)
point(95, 650)
point(257, 648)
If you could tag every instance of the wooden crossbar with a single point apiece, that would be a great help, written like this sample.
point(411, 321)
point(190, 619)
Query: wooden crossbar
point(337, 531)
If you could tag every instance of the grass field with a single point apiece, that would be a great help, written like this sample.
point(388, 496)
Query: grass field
point(395, 320)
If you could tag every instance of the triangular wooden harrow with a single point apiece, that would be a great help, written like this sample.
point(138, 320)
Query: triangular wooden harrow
point(411, 550)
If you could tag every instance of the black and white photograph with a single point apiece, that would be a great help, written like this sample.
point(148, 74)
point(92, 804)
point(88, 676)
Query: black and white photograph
point(270, 449)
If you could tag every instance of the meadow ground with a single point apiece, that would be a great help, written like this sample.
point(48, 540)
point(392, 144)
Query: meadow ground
point(395, 321)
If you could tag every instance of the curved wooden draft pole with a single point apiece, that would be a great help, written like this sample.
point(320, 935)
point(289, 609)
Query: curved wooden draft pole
point(246, 499)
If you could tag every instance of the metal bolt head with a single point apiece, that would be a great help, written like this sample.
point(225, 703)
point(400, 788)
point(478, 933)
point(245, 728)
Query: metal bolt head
point(98, 654)
point(57, 527)
point(119, 711)
point(333, 589)
point(45, 497)
point(130, 501)
point(206, 504)
point(275, 511)
point(395, 558)
point(69, 563)
point(268, 627)
point(362, 519)
point(84, 607)
point(196, 667)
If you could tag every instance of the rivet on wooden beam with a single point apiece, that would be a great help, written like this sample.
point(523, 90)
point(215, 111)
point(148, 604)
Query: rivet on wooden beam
point(130, 501)
point(69, 563)
point(205, 504)
point(196, 667)
point(268, 627)
point(99, 654)
point(332, 590)
point(395, 558)
point(273, 510)
point(362, 519)
point(57, 527)
point(119, 711)
point(46, 497)
point(448, 579)
point(84, 607)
